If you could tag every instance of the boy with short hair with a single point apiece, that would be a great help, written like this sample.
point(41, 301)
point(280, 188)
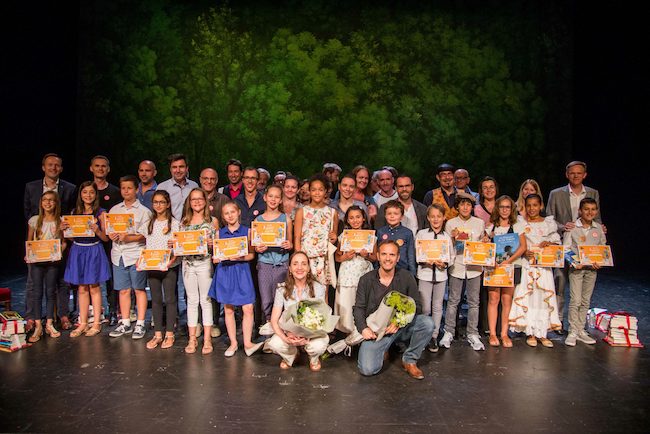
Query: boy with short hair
point(582, 278)
point(124, 254)
point(403, 236)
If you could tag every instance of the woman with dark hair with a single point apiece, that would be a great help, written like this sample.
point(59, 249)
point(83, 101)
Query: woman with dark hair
point(299, 285)
point(488, 190)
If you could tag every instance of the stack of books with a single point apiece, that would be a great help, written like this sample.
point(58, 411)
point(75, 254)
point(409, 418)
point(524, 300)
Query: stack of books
point(622, 330)
point(12, 331)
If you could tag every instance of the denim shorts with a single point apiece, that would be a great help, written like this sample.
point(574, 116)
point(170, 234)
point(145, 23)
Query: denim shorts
point(127, 277)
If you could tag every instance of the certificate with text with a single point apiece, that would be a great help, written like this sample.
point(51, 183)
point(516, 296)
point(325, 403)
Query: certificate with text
point(151, 259)
point(432, 250)
point(119, 223)
point(79, 226)
point(477, 253)
point(600, 255)
point(500, 276)
point(356, 240)
point(191, 242)
point(43, 251)
point(229, 248)
point(270, 234)
point(549, 256)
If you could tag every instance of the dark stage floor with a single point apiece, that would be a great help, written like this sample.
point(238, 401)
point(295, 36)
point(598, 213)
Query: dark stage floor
point(97, 385)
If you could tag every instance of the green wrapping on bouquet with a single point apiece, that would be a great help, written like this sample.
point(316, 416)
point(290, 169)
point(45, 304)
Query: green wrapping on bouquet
point(311, 318)
point(395, 308)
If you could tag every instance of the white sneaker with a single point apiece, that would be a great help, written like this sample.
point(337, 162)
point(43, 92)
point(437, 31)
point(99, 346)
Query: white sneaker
point(475, 342)
point(583, 336)
point(446, 340)
point(571, 340)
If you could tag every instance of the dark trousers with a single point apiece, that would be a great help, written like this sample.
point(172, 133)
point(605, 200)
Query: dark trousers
point(44, 279)
point(163, 282)
point(111, 295)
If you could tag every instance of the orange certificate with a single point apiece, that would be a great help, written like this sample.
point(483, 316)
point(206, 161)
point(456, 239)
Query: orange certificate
point(477, 253)
point(549, 256)
point(153, 260)
point(357, 240)
point(191, 242)
point(43, 251)
point(228, 248)
point(601, 255)
point(271, 234)
point(79, 226)
point(119, 223)
point(432, 250)
point(500, 276)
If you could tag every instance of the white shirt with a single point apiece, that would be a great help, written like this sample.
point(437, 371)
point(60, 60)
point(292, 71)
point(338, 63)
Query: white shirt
point(177, 194)
point(474, 227)
point(130, 252)
point(380, 200)
point(575, 201)
point(410, 220)
point(425, 271)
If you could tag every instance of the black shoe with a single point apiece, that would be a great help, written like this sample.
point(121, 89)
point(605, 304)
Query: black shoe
point(433, 346)
point(560, 332)
point(112, 320)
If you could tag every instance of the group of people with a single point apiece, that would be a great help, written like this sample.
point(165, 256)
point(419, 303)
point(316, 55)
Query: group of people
point(267, 280)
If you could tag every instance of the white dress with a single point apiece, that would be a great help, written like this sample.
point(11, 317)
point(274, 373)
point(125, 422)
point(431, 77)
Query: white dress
point(534, 308)
point(346, 291)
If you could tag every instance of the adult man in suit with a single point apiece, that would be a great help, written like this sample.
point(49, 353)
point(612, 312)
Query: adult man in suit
point(415, 213)
point(563, 204)
point(52, 166)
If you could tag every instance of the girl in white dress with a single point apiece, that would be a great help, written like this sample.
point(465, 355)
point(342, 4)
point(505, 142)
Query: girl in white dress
point(534, 309)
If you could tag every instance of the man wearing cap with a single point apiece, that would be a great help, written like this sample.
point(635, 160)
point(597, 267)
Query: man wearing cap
point(444, 195)
point(386, 183)
point(415, 213)
point(461, 182)
point(563, 204)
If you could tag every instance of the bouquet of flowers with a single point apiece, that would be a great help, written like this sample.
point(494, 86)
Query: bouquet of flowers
point(311, 318)
point(396, 308)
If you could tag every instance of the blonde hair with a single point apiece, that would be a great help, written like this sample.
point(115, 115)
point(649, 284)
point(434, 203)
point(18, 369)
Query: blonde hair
point(188, 212)
point(521, 199)
point(38, 233)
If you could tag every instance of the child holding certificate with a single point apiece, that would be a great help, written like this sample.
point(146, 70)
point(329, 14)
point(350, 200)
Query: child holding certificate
point(45, 226)
point(464, 227)
point(504, 221)
point(582, 278)
point(159, 234)
point(535, 305)
point(87, 264)
point(272, 261)
point(432, 274)
point(354, 264)
point(197, 270)
point(403, 236)
point(233, 285)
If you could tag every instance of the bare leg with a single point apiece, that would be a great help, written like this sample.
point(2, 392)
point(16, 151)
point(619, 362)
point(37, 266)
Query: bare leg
point(247, 325)
point(493, 310)
point(141, 303)
point(231, 326)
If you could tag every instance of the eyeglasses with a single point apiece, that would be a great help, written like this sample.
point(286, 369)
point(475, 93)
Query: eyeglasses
point(159, 202)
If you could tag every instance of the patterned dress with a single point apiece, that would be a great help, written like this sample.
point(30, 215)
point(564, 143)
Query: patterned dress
point(316, 225)
point(534, 308)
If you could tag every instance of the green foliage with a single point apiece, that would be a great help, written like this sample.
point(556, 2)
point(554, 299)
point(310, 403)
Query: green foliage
point(409, 88)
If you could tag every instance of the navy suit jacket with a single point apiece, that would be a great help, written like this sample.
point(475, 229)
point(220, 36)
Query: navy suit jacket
point(34, 191)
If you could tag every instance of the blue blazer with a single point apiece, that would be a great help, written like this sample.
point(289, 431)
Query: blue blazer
point(34, 191)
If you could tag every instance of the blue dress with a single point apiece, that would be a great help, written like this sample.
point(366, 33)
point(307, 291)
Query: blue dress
point(232, 282)
point(87, 262)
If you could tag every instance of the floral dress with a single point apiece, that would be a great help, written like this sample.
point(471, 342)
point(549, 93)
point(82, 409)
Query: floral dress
point(534, 308)
point(316, 226)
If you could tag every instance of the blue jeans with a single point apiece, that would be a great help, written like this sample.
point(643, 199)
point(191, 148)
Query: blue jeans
point(417, 335)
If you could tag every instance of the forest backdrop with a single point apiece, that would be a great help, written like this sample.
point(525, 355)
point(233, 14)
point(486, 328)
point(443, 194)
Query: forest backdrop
point(290, 85)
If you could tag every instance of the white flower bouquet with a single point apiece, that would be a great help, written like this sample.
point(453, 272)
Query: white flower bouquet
point(396, 308)
point(311, 318)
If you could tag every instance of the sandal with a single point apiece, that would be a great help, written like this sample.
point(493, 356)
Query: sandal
point(315, 367)
point(51, 331)
point(36, 336)
point(494, 341)
point(94, 330)
point(207, 346)
point(153, 343)
point(284, 365)
point(191, 345)
point(546, 342)
point(506, 341)
point(80, 330)
point(65, 323)
point(168, 342)
point(531, 341)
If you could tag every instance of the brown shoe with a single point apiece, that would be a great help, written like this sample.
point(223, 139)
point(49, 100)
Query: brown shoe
point(413, 370)
point(65, 323)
